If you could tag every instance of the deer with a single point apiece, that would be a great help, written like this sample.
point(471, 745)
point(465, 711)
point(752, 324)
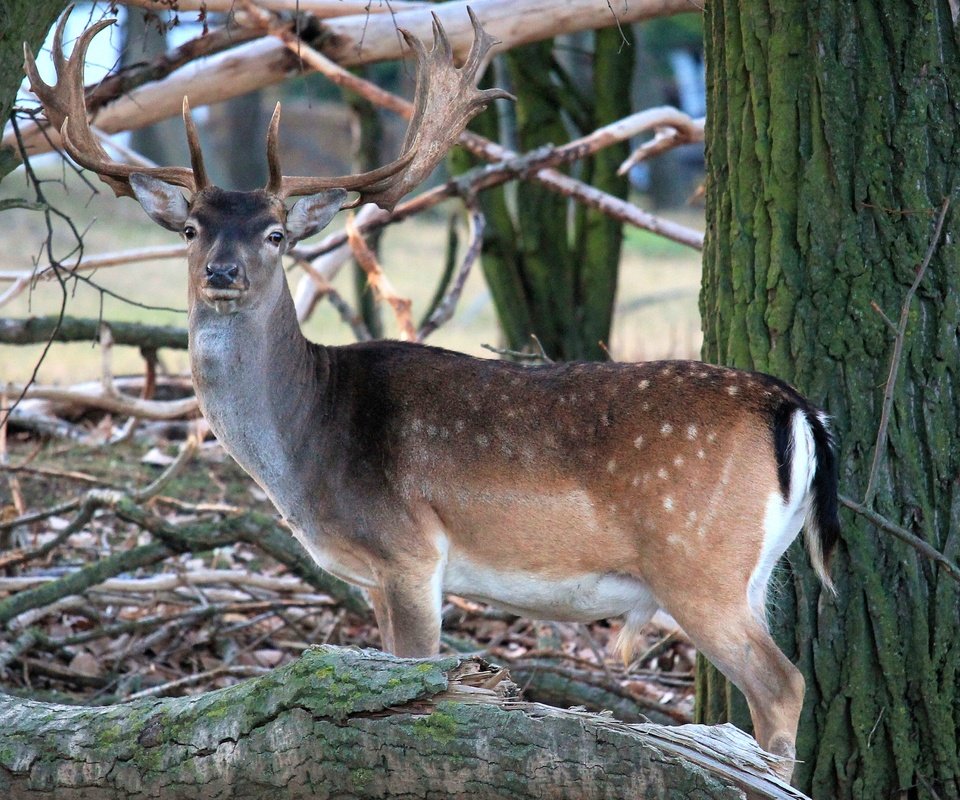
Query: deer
point(568, 491)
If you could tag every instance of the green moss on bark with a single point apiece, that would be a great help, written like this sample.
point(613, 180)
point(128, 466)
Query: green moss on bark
point(20, 21)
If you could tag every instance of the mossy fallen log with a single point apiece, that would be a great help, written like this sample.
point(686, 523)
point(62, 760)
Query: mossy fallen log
point(349, 723)
point(39, 330)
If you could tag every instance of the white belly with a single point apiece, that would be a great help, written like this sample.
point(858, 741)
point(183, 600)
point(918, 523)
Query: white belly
point(577, 598)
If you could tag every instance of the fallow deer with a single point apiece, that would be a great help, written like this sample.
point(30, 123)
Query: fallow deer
point(567, 492)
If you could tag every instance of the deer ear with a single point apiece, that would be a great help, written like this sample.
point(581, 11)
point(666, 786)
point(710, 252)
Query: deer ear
point(163, 203)
point(313, 213)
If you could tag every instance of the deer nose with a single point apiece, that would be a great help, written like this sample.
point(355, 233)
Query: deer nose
point(222, 276)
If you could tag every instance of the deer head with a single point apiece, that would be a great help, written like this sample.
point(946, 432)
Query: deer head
point(235, 239)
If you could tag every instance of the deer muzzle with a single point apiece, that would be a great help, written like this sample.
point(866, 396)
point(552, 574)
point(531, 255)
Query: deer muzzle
point(225, 281)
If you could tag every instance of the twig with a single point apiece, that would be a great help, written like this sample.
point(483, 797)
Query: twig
point(14, 558)
point(879, 448)
point(64, 474)
point(321, 288)
point(200, 677)
point(903, 535)
point(187, 450)
point(522, 355)
point(190, 616)
point(323, 267)
point(18, 647)
point(380, 283)
point(165, 582)
point(16, 493)
point(39, 516)
point(446, 307)
point(596, 680)
point(319, 8)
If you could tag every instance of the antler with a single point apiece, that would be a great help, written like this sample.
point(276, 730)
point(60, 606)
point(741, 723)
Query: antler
point(446, 99)
point(65, 108)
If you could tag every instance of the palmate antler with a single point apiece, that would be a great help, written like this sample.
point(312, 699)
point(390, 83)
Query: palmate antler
point(446, 100)
point(65, 108)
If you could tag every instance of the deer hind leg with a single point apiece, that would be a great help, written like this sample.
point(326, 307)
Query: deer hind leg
point(740, 646)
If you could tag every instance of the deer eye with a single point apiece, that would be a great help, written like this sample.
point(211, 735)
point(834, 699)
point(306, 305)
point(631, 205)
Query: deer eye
point(189, 232)
point(275, 237)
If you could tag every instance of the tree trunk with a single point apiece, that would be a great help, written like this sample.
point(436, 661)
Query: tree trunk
point(20, 21)
point(831, 145)
point(342, 722)
point(553, 273)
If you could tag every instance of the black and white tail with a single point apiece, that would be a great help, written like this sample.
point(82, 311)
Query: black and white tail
point(822, 522)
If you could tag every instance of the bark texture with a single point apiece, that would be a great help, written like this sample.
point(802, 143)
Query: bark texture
point(20, 21)
point(831, 145)
point(346, 723)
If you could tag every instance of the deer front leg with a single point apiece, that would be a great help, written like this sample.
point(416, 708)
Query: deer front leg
point(407, 606)
point(382, 614)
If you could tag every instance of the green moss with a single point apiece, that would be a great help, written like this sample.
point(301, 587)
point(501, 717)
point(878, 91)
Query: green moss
point(439, 726)
point(360, 777)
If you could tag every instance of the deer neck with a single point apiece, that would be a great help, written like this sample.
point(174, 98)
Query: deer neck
point(258, 381)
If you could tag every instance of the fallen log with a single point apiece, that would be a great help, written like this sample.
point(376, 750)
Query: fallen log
point(39, 330)
point(341, 722)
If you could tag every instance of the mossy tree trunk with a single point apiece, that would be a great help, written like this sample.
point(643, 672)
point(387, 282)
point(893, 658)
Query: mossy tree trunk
point(831, 145)
point(553, 273)
point(20, 21)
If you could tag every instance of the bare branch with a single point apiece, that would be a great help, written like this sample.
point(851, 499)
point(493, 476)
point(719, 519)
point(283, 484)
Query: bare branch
point(673, 128)
point(510, 165)
point(264, 62)
point(445, 308)
point(904, 535)
point(318, 287)
point(37, 330)
point(380, 283)
point(112, 403)
point(318, 8)
point(326, 259)
point(169, 581)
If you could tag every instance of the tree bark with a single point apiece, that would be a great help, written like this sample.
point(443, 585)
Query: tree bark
point(20, 21)
point(362, 724)
point(830, 148)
